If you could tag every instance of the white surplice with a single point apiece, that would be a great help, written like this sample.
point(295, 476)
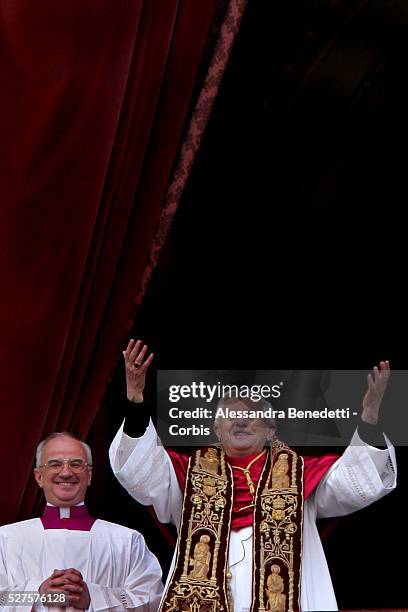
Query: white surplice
point(359, 477)
point(118, 568)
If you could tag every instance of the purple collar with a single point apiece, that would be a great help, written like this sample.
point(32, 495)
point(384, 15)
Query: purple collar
point(79, 519)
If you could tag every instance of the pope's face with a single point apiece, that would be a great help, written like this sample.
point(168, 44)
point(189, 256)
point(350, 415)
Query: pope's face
point(241, 437)
point(64, 488)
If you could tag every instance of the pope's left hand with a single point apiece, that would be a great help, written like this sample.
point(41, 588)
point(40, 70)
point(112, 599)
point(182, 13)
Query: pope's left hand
point(377, 384)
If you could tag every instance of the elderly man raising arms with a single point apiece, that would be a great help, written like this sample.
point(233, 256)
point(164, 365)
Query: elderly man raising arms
point(247, 511)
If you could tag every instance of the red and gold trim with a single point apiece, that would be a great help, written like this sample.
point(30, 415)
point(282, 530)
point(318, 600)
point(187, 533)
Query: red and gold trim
point(199, 582)
point(277, 533)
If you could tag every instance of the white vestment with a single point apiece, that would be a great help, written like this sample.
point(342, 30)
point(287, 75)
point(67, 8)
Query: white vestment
point(118, 568)
point(360, 476)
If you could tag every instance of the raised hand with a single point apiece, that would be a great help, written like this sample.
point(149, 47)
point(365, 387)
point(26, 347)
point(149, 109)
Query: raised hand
point(377, 384)
point(136, 367)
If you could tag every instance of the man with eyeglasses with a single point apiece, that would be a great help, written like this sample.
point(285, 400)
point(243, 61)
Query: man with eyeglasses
point(97, 564)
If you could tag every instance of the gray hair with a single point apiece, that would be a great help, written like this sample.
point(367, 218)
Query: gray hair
point(59, 434)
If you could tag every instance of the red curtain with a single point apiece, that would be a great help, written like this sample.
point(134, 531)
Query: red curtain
point(93, 108)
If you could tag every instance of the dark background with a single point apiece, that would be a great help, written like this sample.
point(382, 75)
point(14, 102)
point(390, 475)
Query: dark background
point(287, 250)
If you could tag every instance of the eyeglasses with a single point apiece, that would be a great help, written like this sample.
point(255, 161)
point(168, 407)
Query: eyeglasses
point(75, 465)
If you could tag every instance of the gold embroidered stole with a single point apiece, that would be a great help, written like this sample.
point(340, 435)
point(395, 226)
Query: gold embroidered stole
point(278, 533)
point(199, 582)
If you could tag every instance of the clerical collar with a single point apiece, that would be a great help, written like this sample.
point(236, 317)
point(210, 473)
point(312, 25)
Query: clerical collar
point(65, 512)
point(78, 518)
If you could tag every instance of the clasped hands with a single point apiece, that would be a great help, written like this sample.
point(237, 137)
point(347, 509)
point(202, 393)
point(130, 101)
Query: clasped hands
point(70, 581)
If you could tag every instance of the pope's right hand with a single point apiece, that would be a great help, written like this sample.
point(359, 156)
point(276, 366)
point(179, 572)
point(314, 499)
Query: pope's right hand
point(136, 367)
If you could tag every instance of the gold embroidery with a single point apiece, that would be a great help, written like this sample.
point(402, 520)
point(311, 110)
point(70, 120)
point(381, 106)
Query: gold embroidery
point(210, 462)
point(278, 508)
point(274, 591)
point(277, 540)
point(200, 581)
point(209, 487)
point(201, 560)
point(204, 526)
point(229, 591)
point(280, 478)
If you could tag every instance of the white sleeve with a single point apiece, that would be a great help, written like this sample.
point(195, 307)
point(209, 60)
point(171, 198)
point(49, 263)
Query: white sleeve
point(359, 477)
point(144, 468)
point(7, 585)
point(142, 588)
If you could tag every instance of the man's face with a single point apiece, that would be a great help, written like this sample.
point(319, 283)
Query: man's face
point(64, 488)
point(241, 437)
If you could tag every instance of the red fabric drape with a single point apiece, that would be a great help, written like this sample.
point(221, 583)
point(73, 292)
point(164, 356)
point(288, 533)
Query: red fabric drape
point(93, 107)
